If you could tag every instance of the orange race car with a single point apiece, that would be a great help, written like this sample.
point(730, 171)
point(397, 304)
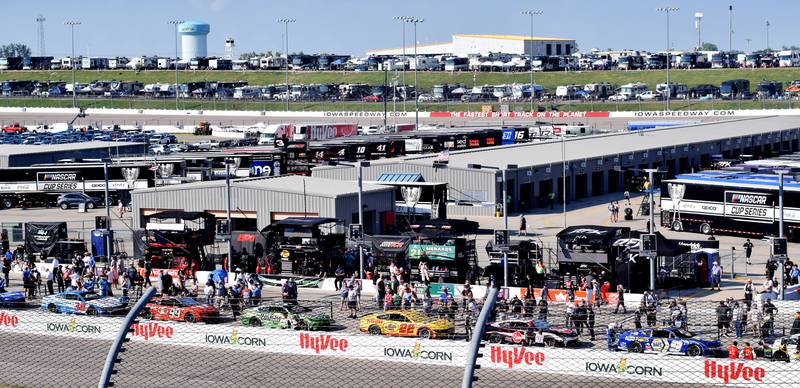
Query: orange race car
point(168, 308)
point(407, 323)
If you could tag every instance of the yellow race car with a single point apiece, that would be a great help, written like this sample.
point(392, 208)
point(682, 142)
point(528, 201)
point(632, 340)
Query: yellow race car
point(408, 323)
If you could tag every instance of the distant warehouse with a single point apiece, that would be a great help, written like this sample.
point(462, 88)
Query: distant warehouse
point(464, 45)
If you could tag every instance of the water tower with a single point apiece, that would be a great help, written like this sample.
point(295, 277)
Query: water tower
point(194, 39)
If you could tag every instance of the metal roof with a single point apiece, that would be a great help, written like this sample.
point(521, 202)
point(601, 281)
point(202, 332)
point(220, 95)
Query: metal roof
point(588, 147)
point(738, 179)
point(294, 184)
point(511, 37)
point(22, 149)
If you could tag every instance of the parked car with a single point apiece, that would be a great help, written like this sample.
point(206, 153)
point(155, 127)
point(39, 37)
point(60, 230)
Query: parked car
point(68, 200)
point(650, 95)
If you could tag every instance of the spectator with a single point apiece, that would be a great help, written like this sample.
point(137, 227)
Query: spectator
point(544, 292)
point(424, 261)
point(716, 276)
point(49, 277)
point(2, 285)
point(568, 315)
point(733, 351)
point(444, 296)
point(58, 275)
point(538, 339)
point(620, 300)
point(343, 290)
point(738, 316)
point(26, 282)
point(795, 275)
point(543, 310)
point(126, 284)
point(637, 318)
point(755, 319)
point(466, 294)
point(611, 337)
point(747, 352)
point(148, 269)
point(611, 212)
point(352, 301)
point(194, 289)
point(8, 260)
point(722, 316)
point(795, 324)
point(234, 299)
point(579, 315)
point(516, 305)
point(626, 195)
point(166, 283)
point(523, 226)
point(590, 321)
point(748, 291)
point(748, 250)
point(769, 316)
point(222, 294)
point(339, 277)
point(105, 287)
point(289, 291)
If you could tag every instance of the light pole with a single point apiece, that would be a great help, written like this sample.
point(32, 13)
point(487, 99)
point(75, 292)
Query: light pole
point(564, 177)
point(730, 29)
point(177, 94)
point(747, 40)
point(228, 163)
point(415, 20)
point(286, 22)
point(108, 212)
point(504, 205)
point(360, 180)
point(531, 13)
point(698, 17)
point(72, 24)
point(402, 20)
point(667, 10)
point(767, 26)
point(652, 228)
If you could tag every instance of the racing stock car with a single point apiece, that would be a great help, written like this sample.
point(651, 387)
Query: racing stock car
point(406, 324)
point(12, 299)
point(667, 340)
point(82, 302)
point(167, 308)
point(285, 316)
point(523, 331)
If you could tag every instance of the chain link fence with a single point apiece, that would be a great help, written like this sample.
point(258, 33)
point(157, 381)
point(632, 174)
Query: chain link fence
point(324, 341)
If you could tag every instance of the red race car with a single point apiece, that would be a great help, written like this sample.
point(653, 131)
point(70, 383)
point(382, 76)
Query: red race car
point(167, 308)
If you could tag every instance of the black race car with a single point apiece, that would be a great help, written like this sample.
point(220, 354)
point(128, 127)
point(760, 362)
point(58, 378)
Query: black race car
point(523, 331)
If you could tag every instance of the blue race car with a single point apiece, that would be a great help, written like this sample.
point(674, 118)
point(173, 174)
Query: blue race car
point(667, 340)
point(12, 299)
point(82, 302)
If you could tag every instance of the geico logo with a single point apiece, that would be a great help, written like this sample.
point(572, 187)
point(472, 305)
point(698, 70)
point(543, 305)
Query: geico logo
point(235, 339)
point(322, 342)
point(8, 320)
point(733, 371)
point(151, 330)
point(73, 327)
point(515, 356)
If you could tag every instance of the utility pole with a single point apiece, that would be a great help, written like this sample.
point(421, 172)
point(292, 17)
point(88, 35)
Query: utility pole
point(667, 11)
point(286, 22)
point(531, 13)
point(177, 93)
point(767, 26)
point(698, 17)
point(730, 29)
point(748, 44)
point(72, 24)
point(402, 20)
point(40, 33)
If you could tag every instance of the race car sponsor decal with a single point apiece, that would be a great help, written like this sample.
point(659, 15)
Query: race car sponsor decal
point(622, 367)
point(8, 319)
point(235, 339)
point(733, 371)
point(518, 337)
point(73, 326)
point(152, 330)
point(417, 353)
point(514, 356)
point(322, 343)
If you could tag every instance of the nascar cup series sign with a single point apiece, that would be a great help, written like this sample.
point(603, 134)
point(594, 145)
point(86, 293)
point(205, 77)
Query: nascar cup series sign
point(749, 205)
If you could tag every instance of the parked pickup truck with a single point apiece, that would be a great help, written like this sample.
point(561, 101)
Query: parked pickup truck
point(204, 145)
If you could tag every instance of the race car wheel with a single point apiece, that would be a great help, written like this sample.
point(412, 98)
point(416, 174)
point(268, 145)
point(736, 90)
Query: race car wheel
point(301, 325)
point(190, 318)
point(64, 206)
point(147, 314)
point(52, 308)
point(780, 356)
point(90, 205)
point(693, 351)
point(255, 322)
point(424, 333)
point(374, 330)
point(634, 347)
point(8, 203)
point(91, 311)
point(677, 226)
point(496, 338)
point(550, 342)
point(705, 228)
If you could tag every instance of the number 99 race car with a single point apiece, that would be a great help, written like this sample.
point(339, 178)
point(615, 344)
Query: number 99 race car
point(667, 340)
point(408, 323)
point(167, 308)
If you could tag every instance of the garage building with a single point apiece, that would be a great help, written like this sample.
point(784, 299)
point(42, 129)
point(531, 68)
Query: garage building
point(257, 202)
point(464, 45)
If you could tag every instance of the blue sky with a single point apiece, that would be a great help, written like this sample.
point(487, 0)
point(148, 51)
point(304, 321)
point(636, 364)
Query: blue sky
point(115, 27)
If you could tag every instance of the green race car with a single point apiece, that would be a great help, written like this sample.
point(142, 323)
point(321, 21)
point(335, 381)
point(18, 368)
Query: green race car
point(285, 316)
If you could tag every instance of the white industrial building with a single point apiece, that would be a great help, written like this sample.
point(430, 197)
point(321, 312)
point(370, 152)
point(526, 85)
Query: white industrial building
point(464, 45)
point(194, 39)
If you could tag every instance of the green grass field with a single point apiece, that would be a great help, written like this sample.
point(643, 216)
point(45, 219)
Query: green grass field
point(549, 80)
point(359, 106)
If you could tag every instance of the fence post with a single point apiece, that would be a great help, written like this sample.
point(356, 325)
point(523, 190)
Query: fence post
point(477, 336)
point(111, 359)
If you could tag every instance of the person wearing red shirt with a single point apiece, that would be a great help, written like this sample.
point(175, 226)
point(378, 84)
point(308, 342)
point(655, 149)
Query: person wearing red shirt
point(733, 351)
point(747, 352)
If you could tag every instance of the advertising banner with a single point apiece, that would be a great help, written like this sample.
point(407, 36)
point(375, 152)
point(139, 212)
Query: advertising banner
point(434, 252)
